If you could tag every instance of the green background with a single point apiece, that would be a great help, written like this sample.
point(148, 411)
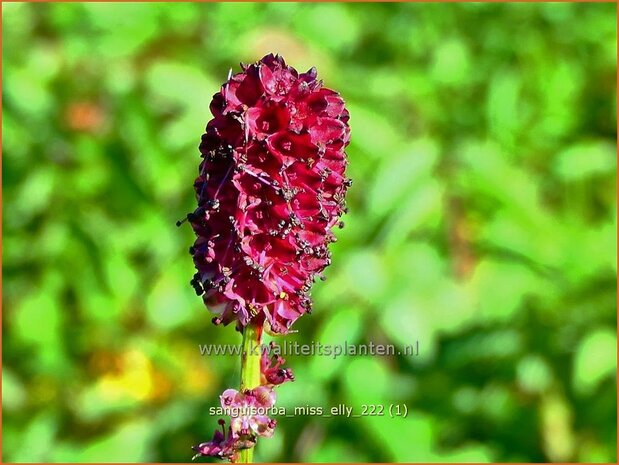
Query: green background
point(482, 224)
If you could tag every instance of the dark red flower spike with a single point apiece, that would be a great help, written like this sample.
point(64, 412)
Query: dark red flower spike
point(270, 188)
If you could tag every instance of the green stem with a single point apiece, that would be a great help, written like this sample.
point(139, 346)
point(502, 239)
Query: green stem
point(250, 371)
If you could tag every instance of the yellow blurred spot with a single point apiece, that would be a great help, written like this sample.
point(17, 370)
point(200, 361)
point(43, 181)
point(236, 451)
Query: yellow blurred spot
point(135, 378)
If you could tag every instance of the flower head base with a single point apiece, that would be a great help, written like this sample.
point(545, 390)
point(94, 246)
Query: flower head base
point(223, 446)
point(270, 188)
point(271, 368)
point(248, 410)
point(248, 413)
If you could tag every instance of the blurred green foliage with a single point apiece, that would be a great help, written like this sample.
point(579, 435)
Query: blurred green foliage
point(482, 223)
